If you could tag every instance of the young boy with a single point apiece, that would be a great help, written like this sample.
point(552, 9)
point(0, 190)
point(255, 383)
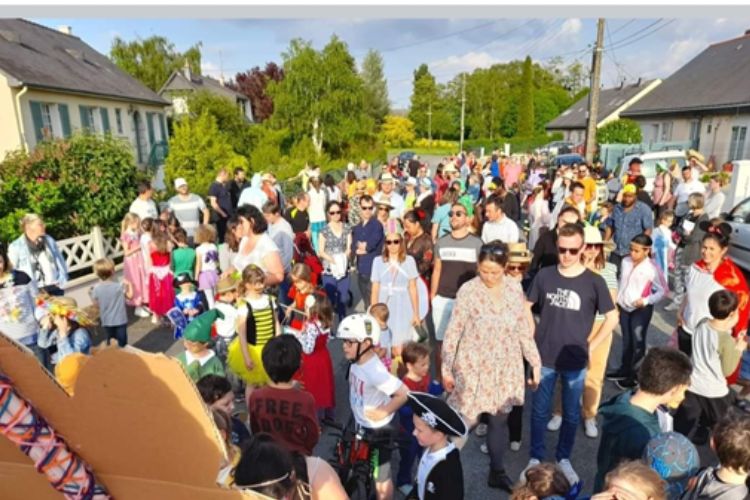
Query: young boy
point(440, 476)
point(374, 394)
point(281, 408)
point(631, 419)
point(216, 392)
point(198, 359)
point(664, 247)
point(109, 296)
point(381, 313)
point(715, 356)
point(416, 357)
point(731, 442)
point(226, 328)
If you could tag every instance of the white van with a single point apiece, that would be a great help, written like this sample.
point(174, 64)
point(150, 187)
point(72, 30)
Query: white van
point(648, 168)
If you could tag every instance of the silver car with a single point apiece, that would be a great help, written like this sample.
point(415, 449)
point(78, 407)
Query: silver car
point(739, 246)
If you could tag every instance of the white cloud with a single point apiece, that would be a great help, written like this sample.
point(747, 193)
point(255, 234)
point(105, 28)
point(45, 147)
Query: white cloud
point(571, 26)
point(445, 69)
point(210, 69)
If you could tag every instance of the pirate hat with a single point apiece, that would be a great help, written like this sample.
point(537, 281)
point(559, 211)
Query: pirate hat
point(437, 414)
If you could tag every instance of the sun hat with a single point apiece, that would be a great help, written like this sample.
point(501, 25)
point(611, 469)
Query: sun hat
point(518, 253)
point(68, 307)
point(180, 181)
point(592, 236)
point(227, 284)
point(412, 181)
point(426, 182)
point(359, 327)
point(386, 177)
point(449, 167)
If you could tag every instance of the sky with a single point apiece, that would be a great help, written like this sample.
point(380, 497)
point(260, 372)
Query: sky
point(633, 47)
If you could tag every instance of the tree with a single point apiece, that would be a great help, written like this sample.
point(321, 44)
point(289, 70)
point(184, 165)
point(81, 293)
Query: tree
point(526, 101)
point(622, 131)
point(424, 100)
point(398, 132)
point(229, 118)
point(254, 84)
point(375, 87)
point(152, 60)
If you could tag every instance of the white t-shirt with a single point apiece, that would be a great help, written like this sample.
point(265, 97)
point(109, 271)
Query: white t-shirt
point(144, 208)
point(208, 255)
point(263, 247)
point(685, 189)
point(317, 208)
point(504, 230)
point(226, 327)
point(370, 386)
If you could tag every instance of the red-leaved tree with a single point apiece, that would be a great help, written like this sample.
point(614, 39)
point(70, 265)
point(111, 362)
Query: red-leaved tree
point(253, 84)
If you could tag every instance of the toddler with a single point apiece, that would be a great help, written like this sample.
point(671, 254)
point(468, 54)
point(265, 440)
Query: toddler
point(383, 348)
point(206, 257)
point(109, 296)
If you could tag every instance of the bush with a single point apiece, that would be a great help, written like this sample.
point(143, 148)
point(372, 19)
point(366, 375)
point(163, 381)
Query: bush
point(74, 184)
point(397, 132)
point(436, 144)
point(622, 131)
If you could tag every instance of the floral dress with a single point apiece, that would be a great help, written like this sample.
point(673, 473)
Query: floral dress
point(134, 268)
point(484, 347)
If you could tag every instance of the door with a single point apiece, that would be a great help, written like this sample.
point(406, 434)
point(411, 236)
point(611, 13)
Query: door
point(140, 138)
point(739, 246)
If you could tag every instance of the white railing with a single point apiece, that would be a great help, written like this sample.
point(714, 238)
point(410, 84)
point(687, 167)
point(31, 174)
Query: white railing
point(80, 252)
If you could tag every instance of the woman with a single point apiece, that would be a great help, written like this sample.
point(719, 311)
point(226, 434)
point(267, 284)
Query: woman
point(17, 293)
point(440, 182)
point(332, 190)
point(317, 209)
point(36, 254)
point(335, 249)
point(593, 258)
point(661, 195)
point(689, 247)
point(64, 326)
point(256, 246)
point(715, 196)
point(384, 212)
point(394, 283)
point(539, 215)
point(419, 243)
point(714, 271)
point(489, 323)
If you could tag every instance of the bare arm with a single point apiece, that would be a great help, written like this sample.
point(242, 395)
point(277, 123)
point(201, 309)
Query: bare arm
point(215, 205)
point(274, 268)
point(414, 299)
point(205, 215)
point(605, 329)
point(436, 269)
point(321, 246)
point(375, 292)
point(128, 289)
point(434, 232)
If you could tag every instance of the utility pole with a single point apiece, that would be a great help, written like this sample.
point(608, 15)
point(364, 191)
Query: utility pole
point(429, 122)
point(596, 71)
point(463, 109)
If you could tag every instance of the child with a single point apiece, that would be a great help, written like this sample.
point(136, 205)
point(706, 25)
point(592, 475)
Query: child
point(109, 296)
point(160, 290)
point(674, 458)
point(226, 329)
point(631, 419)
point(632, 480)
point(226, 472)
point(147, 227)
point(206, 257)
point(302, 286)
point(543, 480)
point(256, 326)
point(440, 476)
point(374, 394)
point(197, 358)
point(715, 355)
point(641, 286)
point(134, 268)
point(383, 349)
point(63, 325)
point(282, 408)
point(599, 218)
point(731, 442)
point(664, 246)
point(416, 357)
point(317, 369)
point(216, 392)
point(187, 301)
point(183, 257)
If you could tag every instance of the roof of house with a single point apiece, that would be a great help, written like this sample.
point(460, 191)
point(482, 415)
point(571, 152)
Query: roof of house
point(178, 81)
point(716, 78)
point(609, 101)
point(41, 57)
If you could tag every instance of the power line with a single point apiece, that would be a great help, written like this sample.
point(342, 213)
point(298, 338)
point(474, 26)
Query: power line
point(504, 34)
point(632, 35)
point(642, 37)
point(620, 28)
point(434, 39)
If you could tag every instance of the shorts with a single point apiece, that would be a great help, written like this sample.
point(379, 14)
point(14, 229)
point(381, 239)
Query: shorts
point(442, 309)
point(381, 451)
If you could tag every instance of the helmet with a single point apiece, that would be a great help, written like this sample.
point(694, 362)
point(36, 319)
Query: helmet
point(359, 327)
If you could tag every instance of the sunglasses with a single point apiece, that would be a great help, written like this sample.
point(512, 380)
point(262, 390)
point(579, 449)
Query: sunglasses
point(384, 209)
point(393, 242)
point(334, 212)
point(516, 268)
point(597, 246)
point(366, 208)
point(571, 251)
point(457, 213)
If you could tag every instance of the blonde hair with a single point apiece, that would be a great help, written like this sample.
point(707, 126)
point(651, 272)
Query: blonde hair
point(29, 219)
point(542, 480)
point(301, 272)
point(104, 268)
point(206, 233)
point(252, 275)
point(641, 476)
point(696, 201)
point(129, 218)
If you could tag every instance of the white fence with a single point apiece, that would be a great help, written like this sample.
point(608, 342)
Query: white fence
point(80, 252)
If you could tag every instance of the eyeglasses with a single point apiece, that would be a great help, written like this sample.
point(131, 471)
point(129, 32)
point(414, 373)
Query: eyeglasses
point(457, 213)
point(334, 212)
point(571, 251)
point(516, 268)
point(370, 207)
point(393, 242)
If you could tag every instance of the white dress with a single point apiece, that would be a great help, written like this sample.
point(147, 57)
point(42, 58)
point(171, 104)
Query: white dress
point(539, 217)
point(394, 292)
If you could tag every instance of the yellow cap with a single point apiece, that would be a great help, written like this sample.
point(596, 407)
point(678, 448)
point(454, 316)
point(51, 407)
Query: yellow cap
point(629, 189)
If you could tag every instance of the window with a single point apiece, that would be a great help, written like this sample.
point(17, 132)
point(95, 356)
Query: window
point(695, 134)
point(118, 120)
point(737, 143)
point(666, 131)
point(654, 132)
point(95, 119)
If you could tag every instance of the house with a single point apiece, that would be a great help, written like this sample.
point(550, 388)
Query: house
point(53, 84)
point(573, 121)
point(181, 83)
point(706, 102)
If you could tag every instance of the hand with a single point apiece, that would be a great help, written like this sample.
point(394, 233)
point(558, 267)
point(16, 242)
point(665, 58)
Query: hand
point(639, 303)
point(741, 341)
point(449, 383)
point(45, 322)
point(376, 413)
point(536, 377)
point(249, 365)
point(416, 320)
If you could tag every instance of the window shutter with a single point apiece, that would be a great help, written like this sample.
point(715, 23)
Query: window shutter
point(150, 123)
point(36, 118)
point(163, 128)
point(64, 119)
point(105, 119)
point(85, 122)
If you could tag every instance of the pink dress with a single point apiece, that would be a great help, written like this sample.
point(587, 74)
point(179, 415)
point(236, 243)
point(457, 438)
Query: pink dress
point(160, 289)
point(134, 269)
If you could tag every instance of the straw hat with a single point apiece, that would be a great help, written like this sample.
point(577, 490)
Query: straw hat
point(228, 283)
point(518, 253)
point(592, 236)
point(68, 308)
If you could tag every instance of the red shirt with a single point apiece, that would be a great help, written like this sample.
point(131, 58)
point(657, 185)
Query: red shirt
point(287, 414)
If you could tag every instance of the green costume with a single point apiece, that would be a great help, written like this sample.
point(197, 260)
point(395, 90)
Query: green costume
point(199, 330)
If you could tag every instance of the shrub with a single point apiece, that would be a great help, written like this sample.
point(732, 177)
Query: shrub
point(622, 131)
point(397, 132)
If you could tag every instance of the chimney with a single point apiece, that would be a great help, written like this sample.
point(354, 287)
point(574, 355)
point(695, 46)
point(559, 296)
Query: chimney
point(747, 32)
point(68, 30)
point(638, 83)
point(186, 71)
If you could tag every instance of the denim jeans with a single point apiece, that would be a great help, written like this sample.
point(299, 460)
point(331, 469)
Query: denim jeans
point(634, 327)
point(365, 288)
point(338, 293)
point(572, 382)
point(119, 333)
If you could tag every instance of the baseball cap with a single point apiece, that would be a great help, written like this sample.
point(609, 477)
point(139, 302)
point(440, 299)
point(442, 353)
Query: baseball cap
point(180, 181)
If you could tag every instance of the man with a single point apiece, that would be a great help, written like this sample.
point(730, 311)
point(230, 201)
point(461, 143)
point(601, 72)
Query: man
point(629, 218)
point(389, 196)
point(575, 200)
point(297, 216)
point(221, 202)
point(589, 187)
point(282, 234)
point(424, 174)
point(237, 185)
point(455, 263)
point(367, 243)
point(498, 226)
point(143, 206)
point(253, 194)
point(189, 208)
point(688, 186)
point(267, 185)
point(545, 250)
point(364, 170)
point(569, 296)
point(414, 166)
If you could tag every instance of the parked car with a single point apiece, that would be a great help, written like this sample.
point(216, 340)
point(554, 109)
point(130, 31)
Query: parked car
point(404, 157)
point(568, 159)
point(555, 148)
point(648, 168)
point(739, 245)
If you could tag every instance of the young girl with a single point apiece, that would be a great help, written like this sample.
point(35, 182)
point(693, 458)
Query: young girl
point(316, 372)
point(183, 257)
point(188, 300)
point(257, 325)
point(641, 286)
point(664, 246)
point(223, 423)
point(160, 290)
point(133, 265)
point(64, 326)
point(544, 480)
point(302, 286)
point(206, 257)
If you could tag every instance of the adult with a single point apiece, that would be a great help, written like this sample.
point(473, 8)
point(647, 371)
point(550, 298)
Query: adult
point(441, 221)
point(17, 295)
point(367, 243)
point(394, 283)
point(188, 207)
point(661, 195)
point(419, 243)
point(545, 249)
point(689, 247)
point(489, 323)
point(354, 212)
point(630, 218)
point(511, 204)
point(317, 209)
point(422, 174)
point(335, 249)
point(334, 192)
point(426, 198)
point(589, 187)
point(297, 215)
point(364, 170)
point(414, 166)
point(561, 185)
point(143, 206)
point(715, 196)
point(714, 271)
point(498, 226)
point(454, 264)
point(281, 233)
point(253, 194)
point(388, 195)
point(220, 200)
point(688, 186)
point(36, 254)
point(538, 213)
point(256, 246)
point(569, 296)
point(575, 199)
point(440, 182)
point(237, 185)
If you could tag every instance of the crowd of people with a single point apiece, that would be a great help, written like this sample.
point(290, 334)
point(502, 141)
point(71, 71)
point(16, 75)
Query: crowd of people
point(484, 283)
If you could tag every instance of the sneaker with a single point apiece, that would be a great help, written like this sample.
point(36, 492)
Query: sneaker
point(672, 306)
point(532, 463)
point(498, 479)
point(554, 423)
point(155, 320)
point(141, 312)
point(627, 384)
point(589, 426)
point(515, 445)
point(481, 430)
point(567, 469)
point(484, 449)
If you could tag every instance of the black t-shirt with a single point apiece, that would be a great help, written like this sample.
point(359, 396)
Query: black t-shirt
point(414, 167)
point(567, 310)
point(223, 197)
point(298, 219)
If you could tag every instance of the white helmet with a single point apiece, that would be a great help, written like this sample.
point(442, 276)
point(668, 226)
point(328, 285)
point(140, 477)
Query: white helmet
point(359, 327)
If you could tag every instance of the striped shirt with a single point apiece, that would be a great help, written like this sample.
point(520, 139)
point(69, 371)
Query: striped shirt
point(188, 212)
point(263, 313)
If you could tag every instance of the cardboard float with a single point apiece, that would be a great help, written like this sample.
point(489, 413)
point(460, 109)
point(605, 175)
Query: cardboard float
point(136, 419)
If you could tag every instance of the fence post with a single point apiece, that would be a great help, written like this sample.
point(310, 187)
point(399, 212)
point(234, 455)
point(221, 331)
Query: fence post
point(97, 240)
